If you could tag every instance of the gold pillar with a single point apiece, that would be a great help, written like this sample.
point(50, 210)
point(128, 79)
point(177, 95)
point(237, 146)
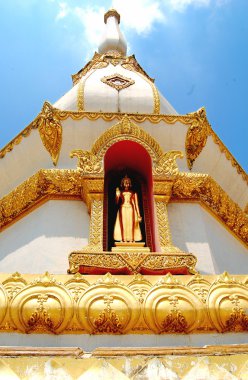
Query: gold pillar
point(162, 194)
point(92, 194)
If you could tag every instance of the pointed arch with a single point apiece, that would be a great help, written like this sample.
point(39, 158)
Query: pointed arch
point(127, 130)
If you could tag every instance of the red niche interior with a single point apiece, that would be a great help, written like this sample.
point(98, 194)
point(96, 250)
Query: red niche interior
point(129, 154)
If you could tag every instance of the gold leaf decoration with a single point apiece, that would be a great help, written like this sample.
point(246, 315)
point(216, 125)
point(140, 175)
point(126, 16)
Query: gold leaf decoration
point(50, 130)
point(88, 163)
point(166, 165)
point(196, 136)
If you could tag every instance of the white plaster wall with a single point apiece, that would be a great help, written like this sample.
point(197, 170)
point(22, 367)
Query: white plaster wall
point(42, 240)
point(197, 231)
point(23, 161)
point(99, 97)
point(215, 163)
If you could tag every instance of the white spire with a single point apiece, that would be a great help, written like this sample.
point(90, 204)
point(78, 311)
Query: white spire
point(113, 39)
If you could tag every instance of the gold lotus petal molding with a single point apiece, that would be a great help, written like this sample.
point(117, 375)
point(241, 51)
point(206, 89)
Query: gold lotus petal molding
point(62, 304)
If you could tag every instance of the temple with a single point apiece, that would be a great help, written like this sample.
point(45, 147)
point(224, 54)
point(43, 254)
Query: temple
point(124, 233)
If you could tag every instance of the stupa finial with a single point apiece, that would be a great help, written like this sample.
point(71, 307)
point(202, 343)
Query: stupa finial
point(113, 39)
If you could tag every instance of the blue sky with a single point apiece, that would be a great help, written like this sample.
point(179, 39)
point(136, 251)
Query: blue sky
point(197, 51)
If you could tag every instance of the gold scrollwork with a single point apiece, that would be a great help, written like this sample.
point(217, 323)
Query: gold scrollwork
point(110, 305)
point(100, 61)
point(166, 165)
point(119, 309)
point(172, 307)
point(197, 135)
point(229, 301)
point(50, 130)
point(163, 223)
point(88, 163)
point(35, 302)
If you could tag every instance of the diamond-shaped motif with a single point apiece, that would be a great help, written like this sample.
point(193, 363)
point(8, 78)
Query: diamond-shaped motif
point(117, 81)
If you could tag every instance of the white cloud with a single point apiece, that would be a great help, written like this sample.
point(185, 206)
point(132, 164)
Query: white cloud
point(92, 21)
point(139, 15)
point(63, 10)
point(181, 5)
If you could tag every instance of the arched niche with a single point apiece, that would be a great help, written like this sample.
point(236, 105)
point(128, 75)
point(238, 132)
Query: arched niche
point(129, 157)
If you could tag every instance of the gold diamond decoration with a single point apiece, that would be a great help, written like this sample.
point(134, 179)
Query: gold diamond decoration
point(117, 81)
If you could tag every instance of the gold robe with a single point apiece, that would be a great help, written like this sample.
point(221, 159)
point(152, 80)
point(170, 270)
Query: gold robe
point(127, 228)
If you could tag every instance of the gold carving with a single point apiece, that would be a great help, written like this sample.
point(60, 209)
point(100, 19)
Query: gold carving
point(164, 304)
point(80, 95)
point(112, 13)
point(4, 304)
point(117, 81)
point(188, 120)
point(50, 131)
point(120, 309)
point(134, 262)
point(238, 320)
point(96, 224)
point(77, 285)
point(140, 286)
point(163, 223)
point(114, 58)
point(88, 163)
point(166, 165)
point(200, 286)
point(246, 209)
point(197, 136)
point(114, 304)
point(44, 305)
point(40, 320)
point(174, 321)
point(229, 300)
point(14, 284)
point(107, 321)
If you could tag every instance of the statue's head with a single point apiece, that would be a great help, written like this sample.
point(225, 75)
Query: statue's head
point(126, 182)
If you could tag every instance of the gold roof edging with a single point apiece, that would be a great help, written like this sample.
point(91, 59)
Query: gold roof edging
point(191, 120)
point(49, 184)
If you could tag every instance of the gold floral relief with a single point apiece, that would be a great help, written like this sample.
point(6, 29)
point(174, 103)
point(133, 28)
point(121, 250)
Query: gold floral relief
point(45, 305)
point(100, 61)
point(88, 163)
point(50, 130)
point(61, 304)
point(197, 135)
point(229, 300)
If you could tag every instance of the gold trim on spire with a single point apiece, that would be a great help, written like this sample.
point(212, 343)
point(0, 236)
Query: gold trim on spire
point(112, 13)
